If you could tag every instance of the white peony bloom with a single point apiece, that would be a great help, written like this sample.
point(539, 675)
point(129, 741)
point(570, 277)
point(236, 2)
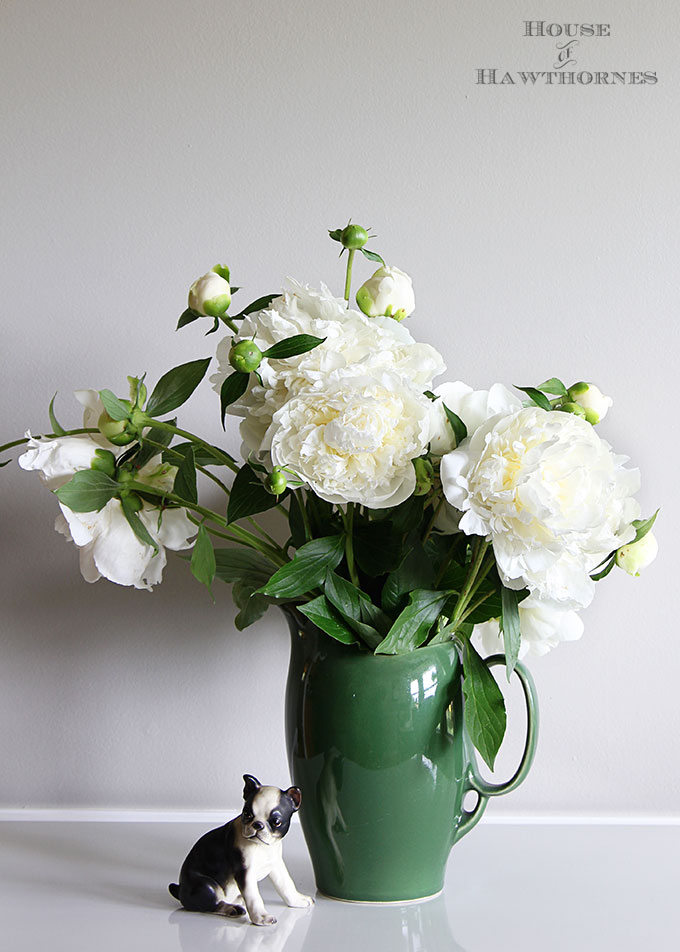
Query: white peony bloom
point(474, 407)
point(351, 341)
point(550, 495)
point(108, 545)
point(591, 398)
point(388, 293)
point(636, 556)
point(210, 295)
point(110, 549)
point(352, 438)
point(542, 625)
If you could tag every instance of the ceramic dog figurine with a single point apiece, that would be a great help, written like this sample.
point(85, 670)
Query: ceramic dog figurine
point(224, 867)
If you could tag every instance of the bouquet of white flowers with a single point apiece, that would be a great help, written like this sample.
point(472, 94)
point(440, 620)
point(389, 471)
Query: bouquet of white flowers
point(410, 515)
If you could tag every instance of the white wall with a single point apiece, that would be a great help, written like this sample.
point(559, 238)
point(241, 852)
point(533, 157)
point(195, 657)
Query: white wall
point(145, 140)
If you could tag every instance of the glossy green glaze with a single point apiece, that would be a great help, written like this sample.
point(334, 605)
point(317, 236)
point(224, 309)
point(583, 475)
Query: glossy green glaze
point(375, 742)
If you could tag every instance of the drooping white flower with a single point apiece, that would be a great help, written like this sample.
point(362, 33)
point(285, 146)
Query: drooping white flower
point(551, 496)
point(110, 549)
point(474, 407)
point(636, 556)
point(352, 438)
point(368, 346)
point(542, 625)
point(108, 545)
point(387, 293)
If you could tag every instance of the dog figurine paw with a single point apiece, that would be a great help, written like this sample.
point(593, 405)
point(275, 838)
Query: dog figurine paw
point(223, 868)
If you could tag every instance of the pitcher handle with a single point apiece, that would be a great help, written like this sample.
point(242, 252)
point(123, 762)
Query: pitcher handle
point(482, 787)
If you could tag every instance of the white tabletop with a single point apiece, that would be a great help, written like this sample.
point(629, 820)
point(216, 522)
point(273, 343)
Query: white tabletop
point(103, 886)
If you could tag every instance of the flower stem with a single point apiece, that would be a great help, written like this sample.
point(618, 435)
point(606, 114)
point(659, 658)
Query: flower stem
point(25, 439)
point(300, 500)
point(479, 550)
point(227, 460)
point(348, 276)
point(348, 519)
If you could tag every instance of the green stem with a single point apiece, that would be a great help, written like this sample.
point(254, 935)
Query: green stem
point(348, 275)
point(430, 526)
point(300, 499)
point(227, 460)
point(47, 436)
point(480, 547)
point(349, 543)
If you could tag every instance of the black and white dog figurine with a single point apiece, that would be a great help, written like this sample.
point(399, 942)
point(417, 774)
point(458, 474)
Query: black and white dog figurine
point(224, 867)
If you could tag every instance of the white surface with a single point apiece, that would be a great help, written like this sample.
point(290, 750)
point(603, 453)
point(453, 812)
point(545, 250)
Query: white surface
point(143, 141)
point(73, 886)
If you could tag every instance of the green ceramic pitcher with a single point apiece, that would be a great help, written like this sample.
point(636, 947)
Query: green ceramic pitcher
point(377, 745)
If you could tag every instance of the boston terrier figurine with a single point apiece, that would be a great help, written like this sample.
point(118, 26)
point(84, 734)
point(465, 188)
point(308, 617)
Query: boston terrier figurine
point(224, 867)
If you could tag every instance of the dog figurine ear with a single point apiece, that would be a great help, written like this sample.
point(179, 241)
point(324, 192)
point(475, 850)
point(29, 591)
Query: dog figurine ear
point(252, 785)
point(295, 795)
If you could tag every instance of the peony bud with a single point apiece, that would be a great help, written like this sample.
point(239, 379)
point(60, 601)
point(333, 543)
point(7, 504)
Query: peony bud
point(353, 237)
point(118, 432)
point(245, 356)
point(211, 294)
point(635, 556)
point(276, 481)
point(104, 462)
point(388, 292)
point(591, 398)
point(574, 408)
point(424, 474)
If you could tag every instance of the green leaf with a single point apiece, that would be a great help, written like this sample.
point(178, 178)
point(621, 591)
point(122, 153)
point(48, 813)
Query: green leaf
point(606, 570)
point(296, 522)
point(485, 717)
point(292, 346)
point(328, 619)
point(233, 387)
point(642, 527)
point(56, 425)
point(510, 628)
point(202, 454)
point(176, 386)
point(308, 569)
point(214, 328)
point(258, 305)
point(87, 491)
point(538, 398)
point(415, 571)
point(248, 495)
point(147, 452)
point(413, 624)
point(231, 565)
point(185, 479)
point(252, 607)
point(372, 256)
point(336, 234)
point(457, 425)
point(115, 408)
point(137, 525)
point(203, 564)
point(454, 577)
point(350, 601)
point(187, 317)
point(6, 463)
point(554, 385)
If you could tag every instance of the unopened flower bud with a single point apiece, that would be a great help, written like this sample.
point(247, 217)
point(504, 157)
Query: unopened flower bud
point(635, 556)
point(388, 292)
point(354, 237)
point(570, 407)
point(118, 432)
point(277, 482)
point(591, 398)
point(245, 356)
point(104, 462)
point(210, 295)
point(134, 503)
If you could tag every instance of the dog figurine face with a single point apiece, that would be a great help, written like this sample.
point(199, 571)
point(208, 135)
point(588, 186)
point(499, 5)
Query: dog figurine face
point(224, 867)
point(267, 811)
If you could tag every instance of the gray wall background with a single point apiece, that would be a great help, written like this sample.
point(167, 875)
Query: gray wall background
point(146, 140)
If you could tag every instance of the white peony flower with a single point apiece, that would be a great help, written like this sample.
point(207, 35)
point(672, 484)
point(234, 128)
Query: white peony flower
point(550, 495)
point(474, 407)
point(388, 293)
point(542, 625)
point(352, 438)
point(210, 294)
point(351, 341)
point(109, 547)
point(636, 556)
point(591, 398)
